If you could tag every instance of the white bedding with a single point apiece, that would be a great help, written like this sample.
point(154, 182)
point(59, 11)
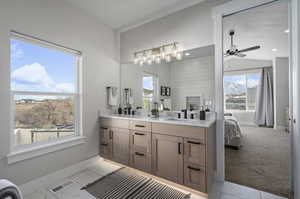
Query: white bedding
point(233, 132)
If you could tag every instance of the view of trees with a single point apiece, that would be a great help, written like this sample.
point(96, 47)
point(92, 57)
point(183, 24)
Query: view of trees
point(45, 114)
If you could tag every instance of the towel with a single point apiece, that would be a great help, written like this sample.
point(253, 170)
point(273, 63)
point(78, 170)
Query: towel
point(112, 96)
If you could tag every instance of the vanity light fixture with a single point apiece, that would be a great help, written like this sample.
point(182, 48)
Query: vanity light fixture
point(158, 54)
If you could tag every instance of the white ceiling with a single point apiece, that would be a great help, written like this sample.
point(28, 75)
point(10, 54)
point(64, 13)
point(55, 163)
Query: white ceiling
point(122, 14)
point(262, 26)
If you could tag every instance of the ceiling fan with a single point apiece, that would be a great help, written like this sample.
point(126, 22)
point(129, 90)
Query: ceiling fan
point(234, 51)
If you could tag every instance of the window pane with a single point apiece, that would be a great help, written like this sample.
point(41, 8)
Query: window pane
point(147, 103)
point(42, 118)
point(235, 92)
point(36, 68)
point(252, 83)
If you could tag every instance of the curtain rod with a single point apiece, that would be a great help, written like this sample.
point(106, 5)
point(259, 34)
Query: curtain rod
point(245, 69)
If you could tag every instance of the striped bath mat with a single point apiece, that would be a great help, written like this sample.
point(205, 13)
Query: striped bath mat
point(125, 184)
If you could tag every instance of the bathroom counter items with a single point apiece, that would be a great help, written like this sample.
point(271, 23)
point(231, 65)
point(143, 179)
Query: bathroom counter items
point(181, 151)
point(185, 122)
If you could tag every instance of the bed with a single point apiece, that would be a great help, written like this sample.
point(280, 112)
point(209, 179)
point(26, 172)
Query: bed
point(232, 132)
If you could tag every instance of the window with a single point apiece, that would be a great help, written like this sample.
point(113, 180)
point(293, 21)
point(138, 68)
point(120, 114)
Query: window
point(45, 91)
point(240, 90)
point(149, 90)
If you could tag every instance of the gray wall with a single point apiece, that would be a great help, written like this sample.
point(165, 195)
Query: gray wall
point(192, 27)
point(281, 89)
point(58, 22)
point(192, 77)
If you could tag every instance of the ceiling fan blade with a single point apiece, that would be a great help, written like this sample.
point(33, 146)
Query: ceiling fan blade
point(240, 55)
point(249, 49)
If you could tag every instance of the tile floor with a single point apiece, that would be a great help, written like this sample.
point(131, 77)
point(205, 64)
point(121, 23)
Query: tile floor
point(101, 168)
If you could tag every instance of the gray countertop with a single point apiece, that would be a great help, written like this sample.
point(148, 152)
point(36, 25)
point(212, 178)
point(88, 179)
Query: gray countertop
point(195, 122)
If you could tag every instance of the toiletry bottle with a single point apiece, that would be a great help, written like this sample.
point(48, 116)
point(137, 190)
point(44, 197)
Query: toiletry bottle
point(120, 109)
point(202, 113)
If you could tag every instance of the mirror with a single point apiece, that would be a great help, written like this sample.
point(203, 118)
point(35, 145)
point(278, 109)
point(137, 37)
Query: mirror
point(179, 84)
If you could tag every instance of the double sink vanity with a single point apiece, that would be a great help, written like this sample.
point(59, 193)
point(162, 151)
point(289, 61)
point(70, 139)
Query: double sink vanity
point(181, 151)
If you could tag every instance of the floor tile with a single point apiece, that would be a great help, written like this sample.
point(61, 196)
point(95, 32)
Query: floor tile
point(265, 195)
point(240, 191)
point(228, 196)
point(85, 177)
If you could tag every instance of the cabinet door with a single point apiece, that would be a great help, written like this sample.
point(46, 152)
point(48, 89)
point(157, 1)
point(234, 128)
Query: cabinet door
point(194, 151)
point(167, 157)
point(120, 139)
point(194, 177)
point(105, 142)
point(140, 141)
point(141, 161)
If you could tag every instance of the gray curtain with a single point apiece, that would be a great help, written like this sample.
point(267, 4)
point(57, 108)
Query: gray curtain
point(264, 115)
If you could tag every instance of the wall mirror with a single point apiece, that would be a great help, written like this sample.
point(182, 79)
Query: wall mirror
point(179, 84)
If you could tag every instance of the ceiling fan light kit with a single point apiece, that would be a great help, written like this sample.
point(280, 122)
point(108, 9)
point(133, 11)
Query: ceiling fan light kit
point(234, 51)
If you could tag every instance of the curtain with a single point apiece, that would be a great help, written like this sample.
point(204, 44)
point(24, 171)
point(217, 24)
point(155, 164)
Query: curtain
point(264, 115)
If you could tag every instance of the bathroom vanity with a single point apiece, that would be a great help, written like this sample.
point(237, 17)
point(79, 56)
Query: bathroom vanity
point(182, 151)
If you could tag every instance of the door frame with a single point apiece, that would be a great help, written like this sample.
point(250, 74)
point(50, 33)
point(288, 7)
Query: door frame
point(232, 7)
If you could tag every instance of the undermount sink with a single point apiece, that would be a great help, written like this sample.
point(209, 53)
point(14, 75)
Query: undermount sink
point(179, 120)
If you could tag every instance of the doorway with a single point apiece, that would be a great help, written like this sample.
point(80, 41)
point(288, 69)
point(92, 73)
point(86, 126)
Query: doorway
point(256, 98)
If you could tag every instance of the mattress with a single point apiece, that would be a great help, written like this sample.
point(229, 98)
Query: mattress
point(232, 132)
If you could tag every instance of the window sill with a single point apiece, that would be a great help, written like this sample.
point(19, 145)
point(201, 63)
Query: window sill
point(35, 151)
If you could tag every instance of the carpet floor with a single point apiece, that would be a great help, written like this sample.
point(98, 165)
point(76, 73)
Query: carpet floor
point(262, 162)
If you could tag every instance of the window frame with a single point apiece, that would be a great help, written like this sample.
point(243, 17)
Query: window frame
point(155, 87)
point(244, 73)
point(77, 97)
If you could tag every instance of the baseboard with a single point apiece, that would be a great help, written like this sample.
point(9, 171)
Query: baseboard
point(47, 180)
point(280, 127)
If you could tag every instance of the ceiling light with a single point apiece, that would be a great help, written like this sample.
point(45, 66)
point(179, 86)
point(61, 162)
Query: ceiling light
point(157, 60)
point(149, 61)
point(141, 63)
point(136, 60)
point(179, 56)
point(287, 31)
point(158, 54)
point(168, 58)
point(174, 53)
point(187, 54)
point(274, 49)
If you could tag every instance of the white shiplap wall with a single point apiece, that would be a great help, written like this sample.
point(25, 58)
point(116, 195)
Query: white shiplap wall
point(192, 77)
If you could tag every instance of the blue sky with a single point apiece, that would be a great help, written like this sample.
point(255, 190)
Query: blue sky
point(148, 82)
point(35, 68)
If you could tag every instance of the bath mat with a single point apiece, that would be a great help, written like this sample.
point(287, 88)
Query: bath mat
point(125, 184)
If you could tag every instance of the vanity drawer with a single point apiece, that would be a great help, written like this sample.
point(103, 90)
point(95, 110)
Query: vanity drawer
point(195, 151)
point(117, 123)
point(195, 177)
point(140, 141)
point(140, 125)
point(179, 130)
point(141, 161)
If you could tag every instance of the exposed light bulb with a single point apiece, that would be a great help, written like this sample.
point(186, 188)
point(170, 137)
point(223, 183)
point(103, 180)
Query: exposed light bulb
point(187, 54)
point(179, 56)
point(157, 60)
point(174, 53)
point(141, 63)
point(163, 54)
point(136, 60)
point(149, 61)
point(168, 58)
point(287, 31)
